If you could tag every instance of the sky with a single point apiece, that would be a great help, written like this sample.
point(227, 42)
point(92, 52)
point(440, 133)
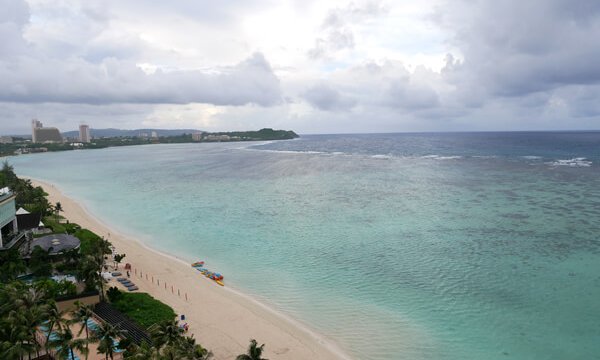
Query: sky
point(306, 65)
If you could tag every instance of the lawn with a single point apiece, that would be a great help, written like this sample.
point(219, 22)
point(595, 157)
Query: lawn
point(143, 308)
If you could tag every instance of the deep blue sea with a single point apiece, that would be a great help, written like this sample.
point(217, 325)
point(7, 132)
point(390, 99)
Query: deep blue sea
point(395, 246)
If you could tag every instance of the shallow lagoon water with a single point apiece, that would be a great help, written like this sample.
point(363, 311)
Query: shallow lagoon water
point(396, 246)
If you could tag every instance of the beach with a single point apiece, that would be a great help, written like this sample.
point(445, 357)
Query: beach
point(219, 318)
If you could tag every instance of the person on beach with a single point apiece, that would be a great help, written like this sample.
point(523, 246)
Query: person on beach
point(127, 273)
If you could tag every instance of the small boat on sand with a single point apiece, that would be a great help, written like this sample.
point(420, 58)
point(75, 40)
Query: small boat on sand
point(198, 264)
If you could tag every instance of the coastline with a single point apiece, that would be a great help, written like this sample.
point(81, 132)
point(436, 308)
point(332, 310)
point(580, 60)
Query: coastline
point(221, 319)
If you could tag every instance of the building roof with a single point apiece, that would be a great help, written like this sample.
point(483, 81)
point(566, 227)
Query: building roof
point(58, 243)
point(22, 211)
point(113, 316)
point(28, 221)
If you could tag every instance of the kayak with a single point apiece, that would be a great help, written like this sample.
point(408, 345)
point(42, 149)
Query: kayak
point(219, 282)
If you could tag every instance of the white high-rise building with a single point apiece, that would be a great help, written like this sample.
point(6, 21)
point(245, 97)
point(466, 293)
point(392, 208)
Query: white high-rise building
point(35, 124)
point(84, 133)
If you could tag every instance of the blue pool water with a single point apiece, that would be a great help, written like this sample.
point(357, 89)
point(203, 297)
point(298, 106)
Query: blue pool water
point(396, 246)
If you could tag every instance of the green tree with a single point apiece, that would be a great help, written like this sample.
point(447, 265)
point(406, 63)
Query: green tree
point(80, 315)
point(40, 263)
point(21, 313)
point(16, 345)
point(30, 197)
point(254, 352)
point(118, 258)
point(55, 319)
point(189, 350)
point(11, 265)
point(165, 333)
point(58, 208)
point(144, 351)
point(107, 335)
point(63, 342)
point(90, 272)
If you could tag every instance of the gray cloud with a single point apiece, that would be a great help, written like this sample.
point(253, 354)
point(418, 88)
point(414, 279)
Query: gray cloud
point(337, 27)
point(409, 96)
point(114, 81)
point(512, 48)
point(32, 74)
point(324, 97)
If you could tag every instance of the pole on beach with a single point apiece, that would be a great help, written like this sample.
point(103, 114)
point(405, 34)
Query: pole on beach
point(186, 297)
point(158, 282)
point(153, 279)
point(171, 289)
point(178, 293)
point(146, 276)
point(165, 285)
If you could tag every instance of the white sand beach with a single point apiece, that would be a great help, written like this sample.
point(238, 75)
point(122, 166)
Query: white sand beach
point(220, 319)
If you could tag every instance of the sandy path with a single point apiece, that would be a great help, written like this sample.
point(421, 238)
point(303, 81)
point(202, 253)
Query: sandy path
point(220, 319)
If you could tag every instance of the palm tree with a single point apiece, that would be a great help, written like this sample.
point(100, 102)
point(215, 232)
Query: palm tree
point(166, 332)
point(254, 352)
point(90, 272)
point(55, 320)
point(81, 315)
point(144, 352)
point(189, 350)
point(118, 258)
point(58, 208)
point(15, 345)
point(22, 309)
point(64, 342)
point(107, 334)
point(11, 265)
point(17, 341)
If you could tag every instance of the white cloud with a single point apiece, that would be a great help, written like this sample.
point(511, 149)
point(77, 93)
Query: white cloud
point(336, 66)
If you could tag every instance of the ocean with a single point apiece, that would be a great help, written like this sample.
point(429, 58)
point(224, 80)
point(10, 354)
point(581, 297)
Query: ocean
point(395, 246)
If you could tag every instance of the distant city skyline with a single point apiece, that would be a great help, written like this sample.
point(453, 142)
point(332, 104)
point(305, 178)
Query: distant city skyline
point(312, 67)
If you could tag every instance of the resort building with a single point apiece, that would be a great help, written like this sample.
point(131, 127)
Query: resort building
point(6, 140)
point(8, 218)
point(40, 134)
point(48, 135)
point(35, 124)
point(84, 133)
point(197, 136)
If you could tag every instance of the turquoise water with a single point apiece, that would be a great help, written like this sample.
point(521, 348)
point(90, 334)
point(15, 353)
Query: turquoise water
point(439, 253)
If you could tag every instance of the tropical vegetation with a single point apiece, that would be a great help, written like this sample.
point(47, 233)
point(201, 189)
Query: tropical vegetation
point(254, 352)
point(31, 321)
point(142, 308)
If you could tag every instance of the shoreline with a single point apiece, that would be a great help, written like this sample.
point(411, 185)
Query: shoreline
point(222, 319)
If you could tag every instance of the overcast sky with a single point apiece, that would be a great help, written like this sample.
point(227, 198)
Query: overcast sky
point(310, 66)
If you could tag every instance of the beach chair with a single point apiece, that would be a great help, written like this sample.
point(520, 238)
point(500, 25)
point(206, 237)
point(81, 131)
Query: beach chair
point(132, 288)
point(92, 325)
